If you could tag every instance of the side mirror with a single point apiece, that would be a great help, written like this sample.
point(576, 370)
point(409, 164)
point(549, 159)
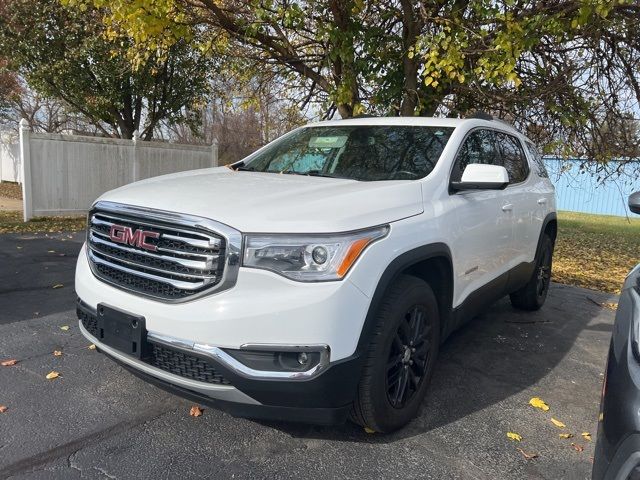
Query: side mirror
point(479, 176)
point(634, 202)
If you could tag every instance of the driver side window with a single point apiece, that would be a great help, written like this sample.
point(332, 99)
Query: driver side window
point(478, 147)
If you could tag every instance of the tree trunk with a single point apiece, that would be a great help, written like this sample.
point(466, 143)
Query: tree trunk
point(411, 26)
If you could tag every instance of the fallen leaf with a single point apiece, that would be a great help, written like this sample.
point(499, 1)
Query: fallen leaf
point(3, 409)
point(610, 306)
point(64, 327)
point(51, 251)
point(57, 285)
point(57, 353)
point(9, 363)
point(195, 411)
point(514, 436)
point(601, 417)
point(92, 347)
point(577, 448)
point(586, 436)
point(368, 430)
point(557, 423)
point(566, 435)
point(19, 248)
point(528, 456)
point(537, 402)
point(52, 375)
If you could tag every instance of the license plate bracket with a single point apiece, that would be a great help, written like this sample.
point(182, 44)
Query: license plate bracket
point(122, 330)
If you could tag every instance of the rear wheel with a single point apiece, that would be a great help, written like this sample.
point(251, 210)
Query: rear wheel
point(533, 295)
point(401, 357)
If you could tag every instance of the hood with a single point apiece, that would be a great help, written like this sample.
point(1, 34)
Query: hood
point(269, 202)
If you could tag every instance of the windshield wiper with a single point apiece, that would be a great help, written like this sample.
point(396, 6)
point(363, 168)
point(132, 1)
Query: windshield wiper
point(310, 173)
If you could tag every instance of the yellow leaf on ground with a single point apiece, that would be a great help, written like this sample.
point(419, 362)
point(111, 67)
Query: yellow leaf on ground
point(195, 411)
point(57, 285)
point(91, 347)
point(64, 327)
point(586, 436)
point(528, 456)
point(51, 375)
point(3, 409)
point(368, 430)
point(566, 435)
point(537, 402)
point(577, 448)
point(514, 436)
point(57, 353)
point(557, 423)
point(601, 417)
point(9, 363)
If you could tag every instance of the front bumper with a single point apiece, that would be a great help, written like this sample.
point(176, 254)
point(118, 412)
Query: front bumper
point(324, 398)
point(617, 455)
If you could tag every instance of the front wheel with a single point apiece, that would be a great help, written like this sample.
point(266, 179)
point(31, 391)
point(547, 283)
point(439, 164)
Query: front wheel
point(401, 357)
point(533, 295)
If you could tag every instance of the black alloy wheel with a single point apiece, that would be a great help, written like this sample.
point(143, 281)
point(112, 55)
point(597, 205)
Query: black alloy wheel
point(408, 357)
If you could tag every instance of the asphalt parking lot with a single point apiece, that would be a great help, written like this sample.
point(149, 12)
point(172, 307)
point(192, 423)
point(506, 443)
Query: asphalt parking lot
point(98, 421)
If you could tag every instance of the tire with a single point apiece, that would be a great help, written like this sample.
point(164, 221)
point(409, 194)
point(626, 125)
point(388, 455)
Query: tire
point(533, 295)
point(401, 357)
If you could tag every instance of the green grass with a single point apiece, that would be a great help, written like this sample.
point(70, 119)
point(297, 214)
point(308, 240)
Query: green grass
point(595, 251)
point(11, 222)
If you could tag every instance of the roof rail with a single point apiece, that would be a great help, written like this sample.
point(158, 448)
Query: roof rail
point(481, 115)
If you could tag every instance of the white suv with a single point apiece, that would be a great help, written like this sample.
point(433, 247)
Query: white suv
point(315, 279)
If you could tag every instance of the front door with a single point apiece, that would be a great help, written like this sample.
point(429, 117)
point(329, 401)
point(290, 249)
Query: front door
point(483, 235)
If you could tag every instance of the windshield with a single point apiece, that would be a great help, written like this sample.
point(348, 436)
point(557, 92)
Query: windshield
point(362, 152)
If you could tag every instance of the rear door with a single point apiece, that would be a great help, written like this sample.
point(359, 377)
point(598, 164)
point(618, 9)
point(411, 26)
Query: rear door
point(482, 238)
point(521, 196)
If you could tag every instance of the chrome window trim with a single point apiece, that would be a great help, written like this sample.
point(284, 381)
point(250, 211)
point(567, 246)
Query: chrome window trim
point(222, 357)
point(233, 244)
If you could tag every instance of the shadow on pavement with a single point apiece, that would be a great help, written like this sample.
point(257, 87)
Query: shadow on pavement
point(492, 358)
point(31, 265)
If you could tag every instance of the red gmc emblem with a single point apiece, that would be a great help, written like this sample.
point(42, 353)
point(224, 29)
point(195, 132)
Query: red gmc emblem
point(137, 238)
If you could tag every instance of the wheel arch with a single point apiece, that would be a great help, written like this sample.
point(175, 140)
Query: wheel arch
point(549, 227)
point(431, 263)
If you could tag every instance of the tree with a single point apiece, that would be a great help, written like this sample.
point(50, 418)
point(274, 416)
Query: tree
point(558, 67)
point(65, 54)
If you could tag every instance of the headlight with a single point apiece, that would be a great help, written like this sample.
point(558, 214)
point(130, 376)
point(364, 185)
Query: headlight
point(309, 258)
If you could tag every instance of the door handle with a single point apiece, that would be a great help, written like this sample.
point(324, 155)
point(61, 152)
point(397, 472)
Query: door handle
point(507, 208)
point(542, 201)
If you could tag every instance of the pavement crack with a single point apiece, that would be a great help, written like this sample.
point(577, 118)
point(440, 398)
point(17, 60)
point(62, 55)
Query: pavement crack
point(69, 449)
point(105, 473)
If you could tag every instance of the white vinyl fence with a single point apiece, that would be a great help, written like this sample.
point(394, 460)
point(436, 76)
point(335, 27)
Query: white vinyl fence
point(64, 174)
point(9, 161)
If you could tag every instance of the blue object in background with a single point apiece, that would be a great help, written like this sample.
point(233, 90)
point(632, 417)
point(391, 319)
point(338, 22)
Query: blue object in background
point(583, 191)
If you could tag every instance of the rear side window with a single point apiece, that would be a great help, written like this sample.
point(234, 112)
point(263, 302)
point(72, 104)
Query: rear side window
point(537, 159)
point(478, 147)
point(513, 157)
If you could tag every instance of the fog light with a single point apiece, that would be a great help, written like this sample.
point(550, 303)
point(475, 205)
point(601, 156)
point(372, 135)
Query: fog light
point(303, 358)
point(319, 255)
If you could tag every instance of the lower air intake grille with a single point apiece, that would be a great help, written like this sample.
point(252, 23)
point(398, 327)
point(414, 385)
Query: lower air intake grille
point(185, 365)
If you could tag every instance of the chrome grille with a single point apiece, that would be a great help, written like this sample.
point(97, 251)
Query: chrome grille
point(183, 257)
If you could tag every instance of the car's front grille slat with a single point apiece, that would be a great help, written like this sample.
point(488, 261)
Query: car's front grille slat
point(164, 260)
point(191, 238)
point(126, 261)
point(181, 284)
point(204, 264)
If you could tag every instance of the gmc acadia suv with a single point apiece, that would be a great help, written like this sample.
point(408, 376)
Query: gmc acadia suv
point(315, 279)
